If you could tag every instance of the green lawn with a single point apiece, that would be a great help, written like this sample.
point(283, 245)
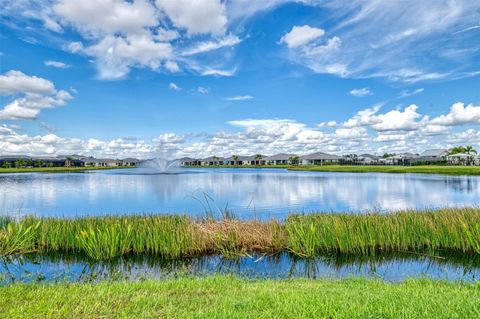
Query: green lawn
point(56, 169)
point(424, 169)
point(232, 297)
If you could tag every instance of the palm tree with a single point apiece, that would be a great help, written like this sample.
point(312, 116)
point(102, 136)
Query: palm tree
point(470, 150)
point(235, 159)
point(258, 157)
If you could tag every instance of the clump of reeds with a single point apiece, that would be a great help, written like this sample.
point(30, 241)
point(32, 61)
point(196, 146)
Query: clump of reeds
point(16, 238)
point(236, 238)
point(454, 229)
point(304, 235)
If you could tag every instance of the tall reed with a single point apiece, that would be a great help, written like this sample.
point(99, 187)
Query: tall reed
point(304, 235)
point(455, 229)
point(16, 238)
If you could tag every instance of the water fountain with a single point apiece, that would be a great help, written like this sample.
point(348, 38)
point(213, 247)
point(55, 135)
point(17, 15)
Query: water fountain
point(161, 166)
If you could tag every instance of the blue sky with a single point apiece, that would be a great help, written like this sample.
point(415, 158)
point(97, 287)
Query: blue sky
point(141, 78)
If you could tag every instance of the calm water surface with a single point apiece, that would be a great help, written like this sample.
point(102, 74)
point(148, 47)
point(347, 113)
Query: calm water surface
point(390, 267)
point(264, 193)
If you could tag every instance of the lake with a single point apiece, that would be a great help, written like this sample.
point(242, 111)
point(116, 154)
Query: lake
point(248, 193)
point(389, 267)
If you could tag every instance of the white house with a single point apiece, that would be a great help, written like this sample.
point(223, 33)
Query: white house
point(235, 160)
point(319, 158)
point(368, 159)
point(280, 159)
point(257, 159)
point(463, 159)
point(433, 155)
point(212, 161)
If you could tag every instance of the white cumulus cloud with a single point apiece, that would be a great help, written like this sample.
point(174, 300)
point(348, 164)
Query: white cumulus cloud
point(30, 95)
point(301, 35)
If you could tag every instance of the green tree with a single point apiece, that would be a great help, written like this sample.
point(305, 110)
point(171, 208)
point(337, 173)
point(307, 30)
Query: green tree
point(458, 150)
point(470, 150)
point(294, 160)
point(7, 164)
point(258, 157)
point(20, 162)
point(235, 159)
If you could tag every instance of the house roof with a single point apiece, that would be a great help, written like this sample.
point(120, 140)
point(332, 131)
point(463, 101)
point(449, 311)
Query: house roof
point(213, 159)
point(366, 155)
point(240, 158)
point(279, 157)
point(100, 160)
point(435, 152)
point(251, 158)
point(320, 156)
point(14, 157)
point(461, 155)
point(404, 156)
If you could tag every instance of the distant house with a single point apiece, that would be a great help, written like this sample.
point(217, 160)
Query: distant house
point(280, 159)
point(102, 162)
point(463, 159)
point(257, 159)
point(402, 159)
point(433, 155)
point(188, 161)
point(319, 158)
point(130, 162)
point(235, 160)
point(368, 159)
point(212, 161)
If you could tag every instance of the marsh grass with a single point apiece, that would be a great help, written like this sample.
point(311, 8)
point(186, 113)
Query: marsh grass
point(17, 238)
point(303, 235)
point(454, 229)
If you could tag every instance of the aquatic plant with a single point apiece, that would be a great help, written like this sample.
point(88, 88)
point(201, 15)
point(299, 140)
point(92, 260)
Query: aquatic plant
point(16, 238)
point(455, 229)
point(107, 242)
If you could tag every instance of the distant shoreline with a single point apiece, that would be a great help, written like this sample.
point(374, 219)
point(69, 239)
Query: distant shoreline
point(395, 169)
point(58, 169)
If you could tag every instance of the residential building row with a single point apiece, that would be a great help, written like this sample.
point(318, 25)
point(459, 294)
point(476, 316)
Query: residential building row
point(431, 156)
point(64, 161)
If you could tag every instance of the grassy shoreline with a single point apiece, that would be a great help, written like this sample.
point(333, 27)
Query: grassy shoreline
point(302, 235)
point(424, 169)
point(207, 298)
point(58, 169)
point(394, 169)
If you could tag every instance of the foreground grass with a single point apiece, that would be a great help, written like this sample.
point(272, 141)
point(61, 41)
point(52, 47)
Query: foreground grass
point(303, 235)
point(207, 298)
point(57, 169)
